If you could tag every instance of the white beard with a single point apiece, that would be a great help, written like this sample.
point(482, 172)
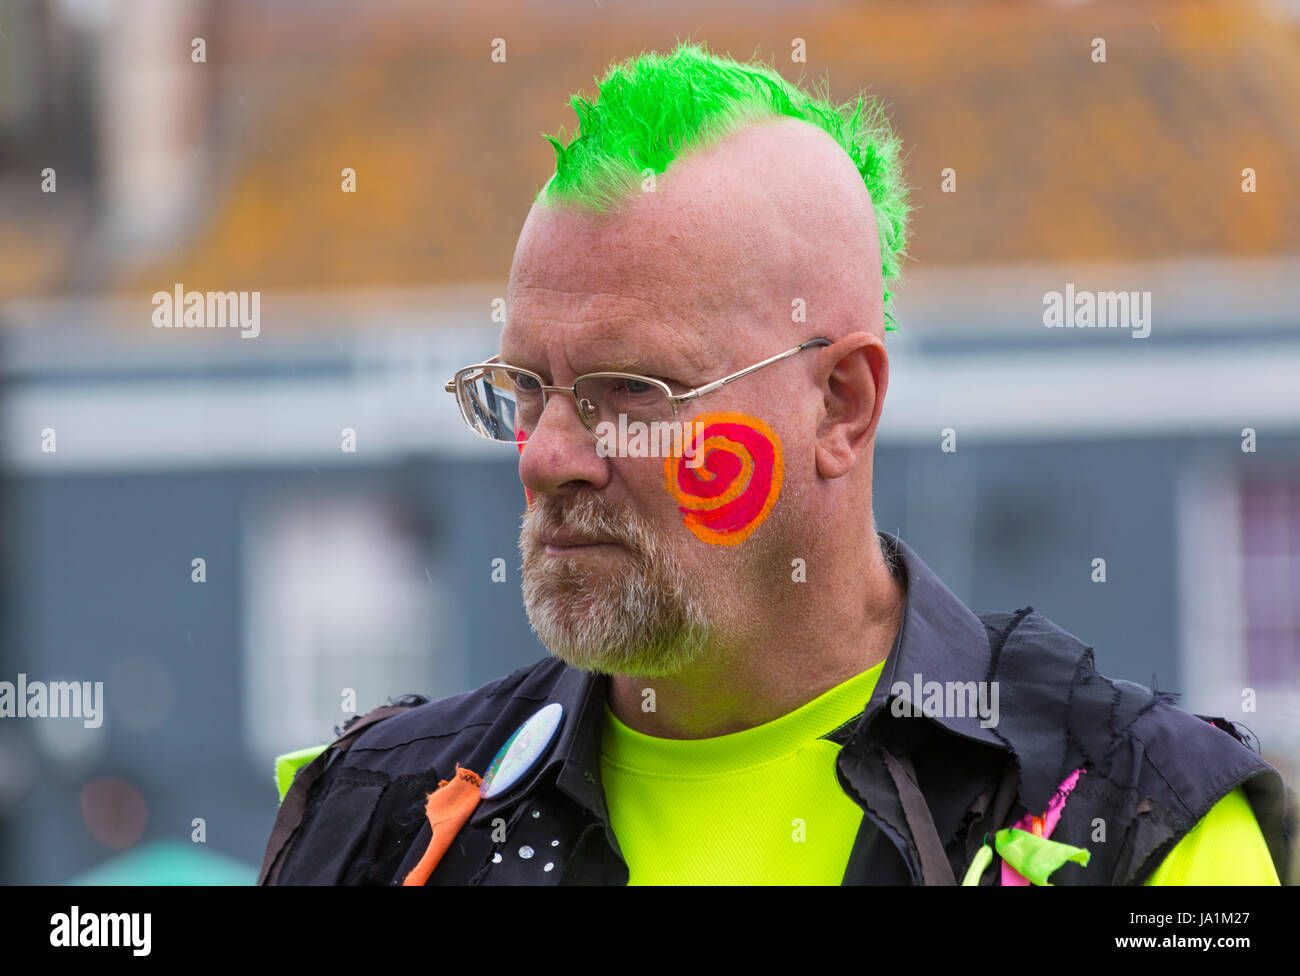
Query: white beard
point(637, 619)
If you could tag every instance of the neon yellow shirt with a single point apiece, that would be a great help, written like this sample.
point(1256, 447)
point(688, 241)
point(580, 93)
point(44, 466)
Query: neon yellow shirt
point(763, 806)
point(757, 807)
point(1226, 847)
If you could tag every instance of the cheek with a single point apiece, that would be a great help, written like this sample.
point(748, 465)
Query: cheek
point(728, 478)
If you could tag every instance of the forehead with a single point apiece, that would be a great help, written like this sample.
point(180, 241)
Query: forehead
point(594, 339)
point(610, 292)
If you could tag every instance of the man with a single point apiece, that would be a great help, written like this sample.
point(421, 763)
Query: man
point(748, 684)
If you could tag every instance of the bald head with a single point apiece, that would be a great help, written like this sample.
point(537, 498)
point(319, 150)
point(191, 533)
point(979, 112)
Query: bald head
point(730, 236)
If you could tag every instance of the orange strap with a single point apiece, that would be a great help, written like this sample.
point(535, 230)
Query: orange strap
point(449, 806)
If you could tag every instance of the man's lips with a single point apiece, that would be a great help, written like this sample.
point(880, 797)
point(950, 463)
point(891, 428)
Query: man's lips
point(566, 539)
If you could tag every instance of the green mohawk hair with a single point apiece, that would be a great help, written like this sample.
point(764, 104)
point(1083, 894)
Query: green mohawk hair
point(651, 109)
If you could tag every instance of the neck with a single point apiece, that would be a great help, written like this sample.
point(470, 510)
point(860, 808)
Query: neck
point(797, 650)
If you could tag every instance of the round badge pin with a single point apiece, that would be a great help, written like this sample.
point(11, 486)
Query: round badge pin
point(522, 750)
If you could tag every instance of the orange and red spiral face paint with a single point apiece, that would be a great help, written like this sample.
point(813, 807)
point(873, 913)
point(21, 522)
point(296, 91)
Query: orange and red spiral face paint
point(730, 494)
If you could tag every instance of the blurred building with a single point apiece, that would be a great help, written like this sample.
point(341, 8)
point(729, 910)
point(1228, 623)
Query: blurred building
point(332, 578)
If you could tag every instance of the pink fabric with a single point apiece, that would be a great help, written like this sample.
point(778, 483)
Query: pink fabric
point(1010, 876)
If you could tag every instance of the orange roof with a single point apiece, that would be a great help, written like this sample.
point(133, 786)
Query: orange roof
point(1057, 158)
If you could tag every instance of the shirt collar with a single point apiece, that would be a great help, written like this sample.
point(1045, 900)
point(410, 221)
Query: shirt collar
point(940, 639)
point(576, 751)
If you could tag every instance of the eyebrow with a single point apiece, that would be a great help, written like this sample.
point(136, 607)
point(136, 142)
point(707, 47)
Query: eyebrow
point(616, 365)
point(681, 370)
point(605, 366)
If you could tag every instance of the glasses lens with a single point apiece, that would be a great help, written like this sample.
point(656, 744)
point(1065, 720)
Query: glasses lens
point(604, 398)
point(498, 403)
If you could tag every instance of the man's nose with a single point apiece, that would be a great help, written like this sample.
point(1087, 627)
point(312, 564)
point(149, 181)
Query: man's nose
point(560, 451)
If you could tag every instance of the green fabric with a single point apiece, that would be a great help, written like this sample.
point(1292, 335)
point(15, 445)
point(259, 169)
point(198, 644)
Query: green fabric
point(1225, 848)
point(287, 766)
point(977, 866)
point(761, 806)
point(1036, 857)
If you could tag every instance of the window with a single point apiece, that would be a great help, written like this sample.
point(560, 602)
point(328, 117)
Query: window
point(1239, 582)
point(342, 608)
point(1269, 511)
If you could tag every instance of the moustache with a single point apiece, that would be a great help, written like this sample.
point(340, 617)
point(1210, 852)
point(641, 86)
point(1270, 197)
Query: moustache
point(586, 515)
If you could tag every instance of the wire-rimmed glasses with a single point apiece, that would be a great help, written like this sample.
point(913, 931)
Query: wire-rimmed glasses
point(504, 403)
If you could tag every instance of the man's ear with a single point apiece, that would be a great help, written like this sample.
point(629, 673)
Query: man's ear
point(853, 374)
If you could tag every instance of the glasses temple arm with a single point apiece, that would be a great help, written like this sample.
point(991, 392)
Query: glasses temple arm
point(718, 384)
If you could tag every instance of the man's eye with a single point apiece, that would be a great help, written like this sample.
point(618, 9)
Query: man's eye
point(527, 384)
point(633, 387)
